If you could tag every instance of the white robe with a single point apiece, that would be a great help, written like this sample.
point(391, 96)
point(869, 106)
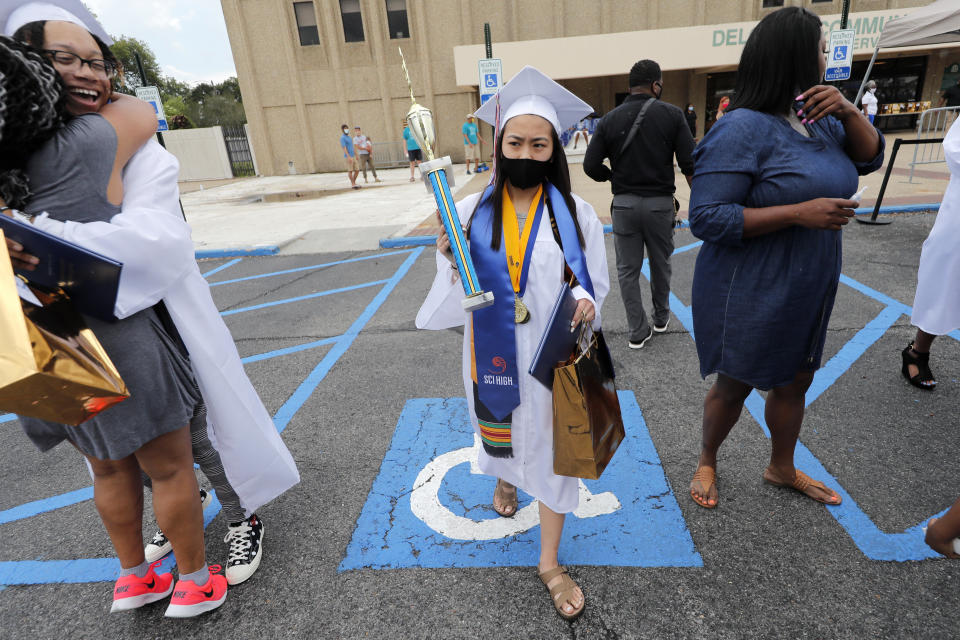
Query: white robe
point(151, 239)
point(531, 467)
point(936, 305)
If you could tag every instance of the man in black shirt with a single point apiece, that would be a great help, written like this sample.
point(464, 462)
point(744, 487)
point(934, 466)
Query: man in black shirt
point(951, 96)
point(642, 181)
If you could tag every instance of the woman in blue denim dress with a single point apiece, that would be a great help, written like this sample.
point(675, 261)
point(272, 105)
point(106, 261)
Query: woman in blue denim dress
point(769, 198)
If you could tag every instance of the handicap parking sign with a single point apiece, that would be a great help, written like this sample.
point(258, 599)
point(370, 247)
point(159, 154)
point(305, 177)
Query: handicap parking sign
point(490, 80)
point(430, 506)
point(840, 60)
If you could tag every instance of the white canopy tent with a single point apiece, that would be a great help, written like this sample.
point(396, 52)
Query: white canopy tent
point(936, 23)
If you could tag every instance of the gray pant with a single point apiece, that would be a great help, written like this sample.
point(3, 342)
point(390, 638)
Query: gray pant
point(366, 160)
point(640, 222)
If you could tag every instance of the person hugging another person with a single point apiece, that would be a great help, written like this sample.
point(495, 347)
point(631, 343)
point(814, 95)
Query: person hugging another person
point(77, 169)
point(161, 287)
point(521, 230)
point(770, 195)
point(364, 148)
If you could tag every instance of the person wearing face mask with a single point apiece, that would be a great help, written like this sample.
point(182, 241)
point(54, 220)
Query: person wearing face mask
point(869, 101)
point(691, 116)
point(641, 137)
point(349, 156)
point(522, 231)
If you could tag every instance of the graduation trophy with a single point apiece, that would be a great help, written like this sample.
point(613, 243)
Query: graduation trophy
point(435, 171)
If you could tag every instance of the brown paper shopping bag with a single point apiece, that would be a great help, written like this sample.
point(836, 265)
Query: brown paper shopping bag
point(51, 365)
point(587, 425)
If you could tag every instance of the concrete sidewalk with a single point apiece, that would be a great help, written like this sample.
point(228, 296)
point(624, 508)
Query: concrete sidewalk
point(320, 213)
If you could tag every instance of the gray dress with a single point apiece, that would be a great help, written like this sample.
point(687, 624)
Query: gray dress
point(69, 177)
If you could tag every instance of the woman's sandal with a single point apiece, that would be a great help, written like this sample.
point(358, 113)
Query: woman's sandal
point(707, 477)
point(802, 482)
point(507, 497)
point(562, 592)
point(924, 378)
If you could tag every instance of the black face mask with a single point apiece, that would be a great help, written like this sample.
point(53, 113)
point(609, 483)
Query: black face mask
point(524, 173)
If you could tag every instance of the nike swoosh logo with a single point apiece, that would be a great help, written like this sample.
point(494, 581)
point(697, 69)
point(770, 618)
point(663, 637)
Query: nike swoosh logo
point(207, 595)
point(152, 584)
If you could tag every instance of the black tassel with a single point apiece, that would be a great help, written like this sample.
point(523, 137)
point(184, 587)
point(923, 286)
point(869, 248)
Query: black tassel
point(497, 452)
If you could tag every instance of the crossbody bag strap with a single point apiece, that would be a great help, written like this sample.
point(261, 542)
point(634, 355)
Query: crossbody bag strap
point(636, 126)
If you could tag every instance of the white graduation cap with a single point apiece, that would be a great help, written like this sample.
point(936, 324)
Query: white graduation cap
point(16, 13)
point(531, 92)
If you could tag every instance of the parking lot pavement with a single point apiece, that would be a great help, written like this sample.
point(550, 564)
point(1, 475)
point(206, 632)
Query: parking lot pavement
point(391, 534)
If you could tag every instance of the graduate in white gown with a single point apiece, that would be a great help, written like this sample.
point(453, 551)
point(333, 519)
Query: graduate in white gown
point(530, 182)
point(936, 305)
point(152, 240)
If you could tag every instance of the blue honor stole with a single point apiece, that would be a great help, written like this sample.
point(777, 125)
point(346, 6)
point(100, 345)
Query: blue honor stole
point(496, 380)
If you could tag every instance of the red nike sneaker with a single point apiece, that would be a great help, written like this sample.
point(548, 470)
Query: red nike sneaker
point(131, 592)
point(189, 600)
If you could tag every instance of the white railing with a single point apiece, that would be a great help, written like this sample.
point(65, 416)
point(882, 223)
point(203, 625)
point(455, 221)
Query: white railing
point(932, 123)
point(390, 154)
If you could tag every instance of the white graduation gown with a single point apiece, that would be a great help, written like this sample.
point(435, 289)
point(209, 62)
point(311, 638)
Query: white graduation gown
point(531, 467)
point(151, 239)
point(936, 305)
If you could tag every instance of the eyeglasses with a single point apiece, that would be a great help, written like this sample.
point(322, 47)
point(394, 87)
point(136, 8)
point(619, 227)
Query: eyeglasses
point(73, 61)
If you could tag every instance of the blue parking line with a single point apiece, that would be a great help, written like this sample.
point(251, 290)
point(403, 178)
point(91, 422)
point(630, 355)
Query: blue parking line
point(288, 350)
point(222, 267)
point(824, 378)
point(36, 507)
point(306, 388)
point(84, 569)
point(688, 247)
point(301, 298)
point(882, 298)
point(7, 417)
point(266, 250)
point(308, 268)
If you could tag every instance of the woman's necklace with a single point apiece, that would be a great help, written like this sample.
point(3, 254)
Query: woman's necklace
point(795, 124)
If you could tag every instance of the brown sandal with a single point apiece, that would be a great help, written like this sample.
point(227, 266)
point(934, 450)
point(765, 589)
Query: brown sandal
point(508, 499)
point(802, 482)
point(562, 592)
point(707, 477)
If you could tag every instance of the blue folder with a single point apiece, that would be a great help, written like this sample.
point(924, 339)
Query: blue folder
point(557, 343)
point(90, 279)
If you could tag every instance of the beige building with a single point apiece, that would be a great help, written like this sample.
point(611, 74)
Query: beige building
point(306, 68)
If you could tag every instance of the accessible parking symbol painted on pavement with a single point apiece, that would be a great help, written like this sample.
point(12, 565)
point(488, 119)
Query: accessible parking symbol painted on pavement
point(430, 506)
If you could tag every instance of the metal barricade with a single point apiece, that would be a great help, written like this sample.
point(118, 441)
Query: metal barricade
point(932, 123)
point(390, 154)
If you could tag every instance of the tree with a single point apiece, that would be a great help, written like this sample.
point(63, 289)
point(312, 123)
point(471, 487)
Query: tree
point(125, 48)
point(170, 86)
point(211, 104)
point(205, 104)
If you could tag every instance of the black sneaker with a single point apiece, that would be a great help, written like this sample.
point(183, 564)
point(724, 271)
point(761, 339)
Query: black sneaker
point(159, 545)
point(246, 549)
point(639, 345)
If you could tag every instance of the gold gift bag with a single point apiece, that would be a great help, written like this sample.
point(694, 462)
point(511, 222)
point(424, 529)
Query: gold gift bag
point(587, 425)
point(51, 365)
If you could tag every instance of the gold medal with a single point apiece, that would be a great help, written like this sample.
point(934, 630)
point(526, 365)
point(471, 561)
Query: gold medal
point(520, 312)
point(516, 245)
